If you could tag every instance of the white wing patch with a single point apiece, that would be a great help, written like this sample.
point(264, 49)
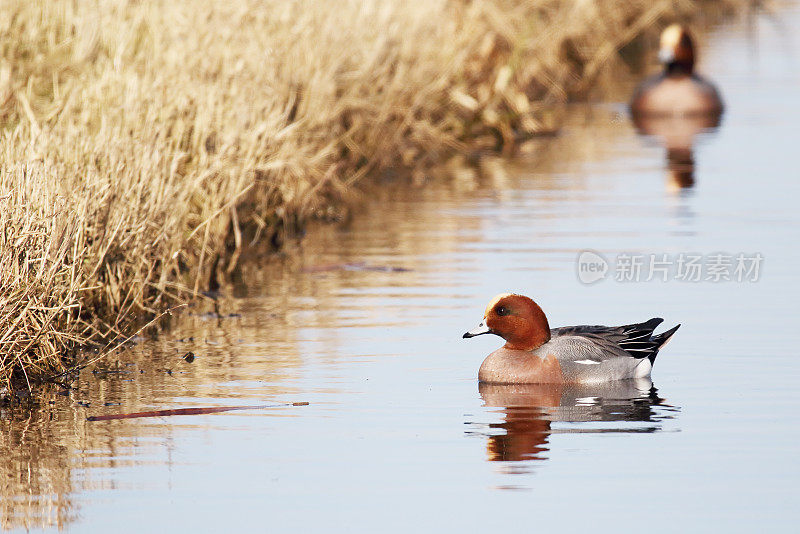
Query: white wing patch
point(587, 362)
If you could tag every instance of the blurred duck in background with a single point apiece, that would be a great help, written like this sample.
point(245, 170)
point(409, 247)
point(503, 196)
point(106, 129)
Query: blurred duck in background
point(676, 105)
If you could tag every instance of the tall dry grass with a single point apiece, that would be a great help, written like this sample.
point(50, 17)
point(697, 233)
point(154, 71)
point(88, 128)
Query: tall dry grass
point(142, 143)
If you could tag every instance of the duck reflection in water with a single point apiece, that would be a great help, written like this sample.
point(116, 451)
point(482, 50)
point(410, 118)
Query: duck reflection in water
point(677, 105)
point(529, 411)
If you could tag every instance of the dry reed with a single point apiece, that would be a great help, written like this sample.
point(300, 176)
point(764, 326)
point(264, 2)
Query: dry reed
point(142, 143)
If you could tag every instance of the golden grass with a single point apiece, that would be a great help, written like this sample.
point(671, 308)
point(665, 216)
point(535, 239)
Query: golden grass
point(143, 143)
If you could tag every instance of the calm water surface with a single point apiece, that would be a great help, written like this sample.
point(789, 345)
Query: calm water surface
point(398, 436)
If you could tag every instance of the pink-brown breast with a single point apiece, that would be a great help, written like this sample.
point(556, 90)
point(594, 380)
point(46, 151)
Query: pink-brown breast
point(505, 366)
point(681, 97)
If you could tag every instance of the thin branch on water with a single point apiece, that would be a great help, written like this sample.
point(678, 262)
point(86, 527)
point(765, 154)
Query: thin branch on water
point(189, 411)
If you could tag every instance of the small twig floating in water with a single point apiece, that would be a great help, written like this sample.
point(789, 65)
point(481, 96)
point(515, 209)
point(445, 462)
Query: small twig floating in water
point(188, 411)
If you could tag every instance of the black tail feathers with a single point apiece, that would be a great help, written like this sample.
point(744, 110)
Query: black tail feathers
point(661, 340)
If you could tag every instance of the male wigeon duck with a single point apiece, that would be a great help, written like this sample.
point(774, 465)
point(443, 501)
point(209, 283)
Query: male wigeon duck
point(677, 91)
point(676, 105)
point(534, 353)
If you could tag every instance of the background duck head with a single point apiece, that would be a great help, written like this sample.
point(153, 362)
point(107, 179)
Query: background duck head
point(676, 52)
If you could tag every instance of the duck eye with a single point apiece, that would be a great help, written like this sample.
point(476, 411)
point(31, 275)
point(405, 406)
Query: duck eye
point(502, 310)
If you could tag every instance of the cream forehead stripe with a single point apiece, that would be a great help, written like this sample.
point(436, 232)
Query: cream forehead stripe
point(671, 36)
point(494, 302)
